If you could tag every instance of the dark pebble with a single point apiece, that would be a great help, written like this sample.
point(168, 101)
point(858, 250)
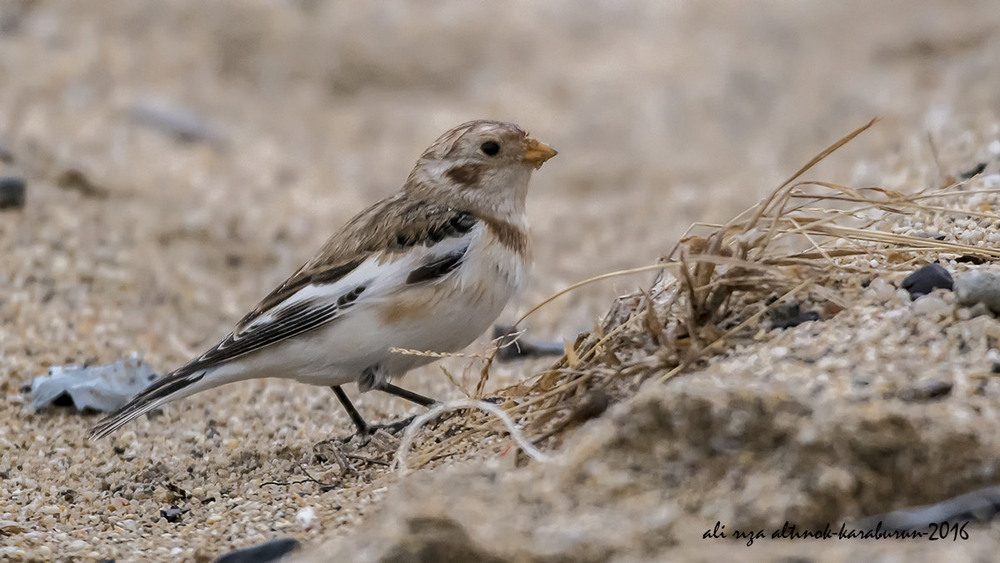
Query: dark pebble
point(173, 514)
point(927, 279)
point(973, 172)
point(788, 315)
point(12, 192)
point(977, 506)
point(75, 180)
point(593, 405)
point(971, 259)
point(512, 348)
point(261, 553)
point(926, 391)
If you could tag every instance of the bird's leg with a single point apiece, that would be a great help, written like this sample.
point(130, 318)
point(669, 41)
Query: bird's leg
point(407, 394)
point(374, 377)
point(364, 429)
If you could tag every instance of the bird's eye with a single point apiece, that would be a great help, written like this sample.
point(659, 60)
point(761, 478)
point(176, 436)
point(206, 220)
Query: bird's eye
point(490, 148)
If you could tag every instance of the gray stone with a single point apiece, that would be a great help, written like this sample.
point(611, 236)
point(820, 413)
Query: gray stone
point(979, 287)
point(12, 192)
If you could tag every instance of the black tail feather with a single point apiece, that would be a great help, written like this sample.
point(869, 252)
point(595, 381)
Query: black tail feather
point(159, 392)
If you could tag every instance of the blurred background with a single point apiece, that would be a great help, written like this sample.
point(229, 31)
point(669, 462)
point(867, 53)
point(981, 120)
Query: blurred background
point(183, 156)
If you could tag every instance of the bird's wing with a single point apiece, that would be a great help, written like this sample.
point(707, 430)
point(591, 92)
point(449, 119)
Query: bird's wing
point(389, 230)
point(397, 242)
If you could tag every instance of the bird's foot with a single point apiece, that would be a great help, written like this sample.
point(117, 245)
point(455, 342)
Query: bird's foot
point(366, 433)
point(393, 427)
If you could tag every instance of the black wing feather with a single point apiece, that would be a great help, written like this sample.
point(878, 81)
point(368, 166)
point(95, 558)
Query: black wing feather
point(438, 268)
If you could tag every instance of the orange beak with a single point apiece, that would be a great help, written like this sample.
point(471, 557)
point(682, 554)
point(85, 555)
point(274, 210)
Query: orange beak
point(537, 153)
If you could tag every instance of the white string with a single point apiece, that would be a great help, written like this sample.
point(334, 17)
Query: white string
point(414, 427)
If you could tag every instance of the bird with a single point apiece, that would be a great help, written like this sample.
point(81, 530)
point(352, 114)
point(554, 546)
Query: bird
point(428, 268)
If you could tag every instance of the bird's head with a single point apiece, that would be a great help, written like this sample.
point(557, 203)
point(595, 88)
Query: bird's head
point(483, 166)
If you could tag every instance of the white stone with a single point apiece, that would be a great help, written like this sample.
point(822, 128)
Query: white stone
point(305, 517)
point(931, 305)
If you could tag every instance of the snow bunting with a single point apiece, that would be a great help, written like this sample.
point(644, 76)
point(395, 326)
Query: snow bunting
point(429, 268)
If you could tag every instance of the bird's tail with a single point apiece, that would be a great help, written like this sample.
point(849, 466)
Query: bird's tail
point(176, 385)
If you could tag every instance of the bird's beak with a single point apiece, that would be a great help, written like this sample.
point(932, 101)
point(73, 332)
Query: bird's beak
point(537, 153)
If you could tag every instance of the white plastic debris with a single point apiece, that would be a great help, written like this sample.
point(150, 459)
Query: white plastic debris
point(305, 517)
point(100, 388)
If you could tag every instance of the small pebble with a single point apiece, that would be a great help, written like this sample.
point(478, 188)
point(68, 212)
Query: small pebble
point(181, 123)
point(593, 405)
point(881, 290)
point(926, 391)
point(972, 172)
point(173, 514)
point(788, 315)
point(261, 553)
point(10, 528)
point(931, 305)
point(970, 259)
point(75, 180)
point(12, 192)
point(305, 517)
point(978, 287)
point(979, 506)
point(513, 348)
point(927, 279)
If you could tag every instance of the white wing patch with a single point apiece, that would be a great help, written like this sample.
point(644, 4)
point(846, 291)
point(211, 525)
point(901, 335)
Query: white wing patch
point(371, 282)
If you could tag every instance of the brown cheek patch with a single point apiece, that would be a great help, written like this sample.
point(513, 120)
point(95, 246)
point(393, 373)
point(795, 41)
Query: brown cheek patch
point(509, 235)
point(466, 175)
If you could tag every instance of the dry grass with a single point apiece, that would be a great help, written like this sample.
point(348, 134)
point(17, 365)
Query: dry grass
point(713, 291)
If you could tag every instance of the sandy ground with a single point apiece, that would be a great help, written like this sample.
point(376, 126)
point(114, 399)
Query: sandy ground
point(135, 238)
